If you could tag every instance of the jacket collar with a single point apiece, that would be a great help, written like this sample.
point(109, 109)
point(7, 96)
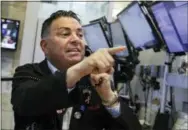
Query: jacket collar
point(52, 68)
point(44, 67)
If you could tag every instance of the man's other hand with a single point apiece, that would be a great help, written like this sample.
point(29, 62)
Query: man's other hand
point(102, 84)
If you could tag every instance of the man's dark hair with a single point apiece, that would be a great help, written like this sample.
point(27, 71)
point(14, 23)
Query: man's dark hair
point(60, 13)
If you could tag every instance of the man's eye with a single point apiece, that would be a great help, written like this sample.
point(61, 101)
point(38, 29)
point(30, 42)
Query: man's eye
point(64, 34)
point(80, 35)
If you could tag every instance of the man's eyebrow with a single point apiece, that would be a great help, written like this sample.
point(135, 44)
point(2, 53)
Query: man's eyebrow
point(67, 28)
point(63, 28)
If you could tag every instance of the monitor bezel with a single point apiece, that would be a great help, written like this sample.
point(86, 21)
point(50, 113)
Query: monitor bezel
point(157, 45)
point(99, 19)
point(103, 31)
point(17, 38)
point(157, 25)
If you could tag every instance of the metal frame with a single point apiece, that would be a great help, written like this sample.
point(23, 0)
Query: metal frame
point(164, 88)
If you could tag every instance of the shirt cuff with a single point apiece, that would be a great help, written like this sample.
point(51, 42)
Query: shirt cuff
point(70, 89)
point(114, 111)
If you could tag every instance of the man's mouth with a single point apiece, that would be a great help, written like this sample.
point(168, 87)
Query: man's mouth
point(73, 50)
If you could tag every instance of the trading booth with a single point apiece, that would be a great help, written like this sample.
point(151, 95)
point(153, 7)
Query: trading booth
point(161, 26)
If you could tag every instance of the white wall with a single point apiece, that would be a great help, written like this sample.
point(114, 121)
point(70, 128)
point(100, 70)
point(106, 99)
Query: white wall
point(10, 60)
point(29, 35)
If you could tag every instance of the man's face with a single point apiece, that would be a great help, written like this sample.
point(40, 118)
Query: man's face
point(65, 44)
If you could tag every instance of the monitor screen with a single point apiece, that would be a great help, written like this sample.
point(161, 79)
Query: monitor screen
point(179, 17)
point(95, 37)
point(9, 33)
point(137, 27)
point(171, 18)
point(118, 38)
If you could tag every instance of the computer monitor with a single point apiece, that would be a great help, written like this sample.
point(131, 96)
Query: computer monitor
point(95, 36)
point(171, 18)
point(105, 25)
point(102, 20)
point(9, 33)
point(179, 17)
point(137, 27)
point(118, 38)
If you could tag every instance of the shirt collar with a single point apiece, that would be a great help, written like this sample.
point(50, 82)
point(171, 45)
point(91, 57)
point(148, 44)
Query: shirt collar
point(51, 67)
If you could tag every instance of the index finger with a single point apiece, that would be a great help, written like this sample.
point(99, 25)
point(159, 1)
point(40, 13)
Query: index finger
point(115, 50)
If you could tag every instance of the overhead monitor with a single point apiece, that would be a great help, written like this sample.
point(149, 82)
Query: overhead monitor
point(172, 20)
point(137, 27)
point(105, 25)
point(102, 20)
point(95, 36)
point(118, 38)
point(179, 17)
point(9, 33)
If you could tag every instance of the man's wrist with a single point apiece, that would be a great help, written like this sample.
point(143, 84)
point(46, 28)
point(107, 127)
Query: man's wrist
point(72, 76)
point(111, 102)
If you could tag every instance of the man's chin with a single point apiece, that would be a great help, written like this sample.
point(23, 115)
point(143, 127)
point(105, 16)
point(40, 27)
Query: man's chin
point(74, 61)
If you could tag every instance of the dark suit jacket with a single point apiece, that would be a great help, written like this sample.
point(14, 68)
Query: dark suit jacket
point(37, 94)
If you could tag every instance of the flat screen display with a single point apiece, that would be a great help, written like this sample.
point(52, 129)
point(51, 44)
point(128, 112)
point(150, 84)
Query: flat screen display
point(118, 38)
point(95, 37)
point(137, 27)
point(179, 17)
point(9, 33)
point(172, 20)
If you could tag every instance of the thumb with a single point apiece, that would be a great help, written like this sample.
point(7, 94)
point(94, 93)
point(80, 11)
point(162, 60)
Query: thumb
point(97, 78)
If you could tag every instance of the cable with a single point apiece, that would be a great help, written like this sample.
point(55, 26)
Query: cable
point(19, 78)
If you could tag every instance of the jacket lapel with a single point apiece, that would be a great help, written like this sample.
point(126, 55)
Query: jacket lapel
point(44, 67)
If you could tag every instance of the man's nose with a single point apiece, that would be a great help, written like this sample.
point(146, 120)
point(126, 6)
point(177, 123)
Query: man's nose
point(75, 38)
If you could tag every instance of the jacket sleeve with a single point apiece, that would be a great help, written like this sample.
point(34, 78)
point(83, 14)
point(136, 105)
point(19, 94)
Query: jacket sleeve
point(128, 117)
point(34, 98)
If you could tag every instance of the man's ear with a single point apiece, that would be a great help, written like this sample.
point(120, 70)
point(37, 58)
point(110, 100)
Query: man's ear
point(43, 45)
point(88, 51)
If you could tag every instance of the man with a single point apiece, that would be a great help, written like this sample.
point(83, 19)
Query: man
point(46, 91)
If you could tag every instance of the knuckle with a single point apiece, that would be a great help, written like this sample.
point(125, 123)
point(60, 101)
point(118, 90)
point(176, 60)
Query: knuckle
point(112, 61)
point(108, 65)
